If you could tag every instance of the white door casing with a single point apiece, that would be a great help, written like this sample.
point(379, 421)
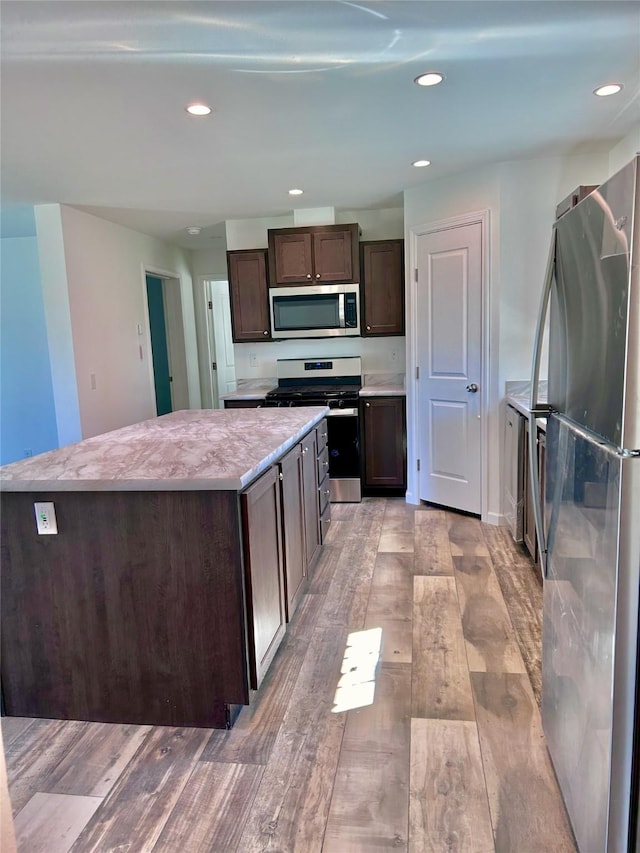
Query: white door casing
point(221, 350)
point(176, 351)
point(447, 345)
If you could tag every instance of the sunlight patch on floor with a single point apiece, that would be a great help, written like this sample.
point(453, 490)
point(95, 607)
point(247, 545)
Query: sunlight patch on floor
point(357, 685)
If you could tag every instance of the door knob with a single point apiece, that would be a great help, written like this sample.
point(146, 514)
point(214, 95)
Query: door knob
point(473, 387)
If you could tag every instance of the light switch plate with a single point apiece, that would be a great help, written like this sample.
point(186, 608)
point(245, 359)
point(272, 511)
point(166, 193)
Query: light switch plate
point(46, 518)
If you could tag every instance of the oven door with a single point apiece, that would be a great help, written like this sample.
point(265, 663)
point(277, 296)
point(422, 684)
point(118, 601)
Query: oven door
point(343, 440)
point(328, 310)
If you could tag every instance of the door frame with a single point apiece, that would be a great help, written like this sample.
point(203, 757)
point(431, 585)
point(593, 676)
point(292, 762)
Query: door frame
point(176, 280)
point(482, 218)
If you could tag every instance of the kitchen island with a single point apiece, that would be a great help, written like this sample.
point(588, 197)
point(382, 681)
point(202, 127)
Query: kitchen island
point(162, 598)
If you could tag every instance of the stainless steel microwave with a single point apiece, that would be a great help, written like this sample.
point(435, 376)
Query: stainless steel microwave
point(315, 311)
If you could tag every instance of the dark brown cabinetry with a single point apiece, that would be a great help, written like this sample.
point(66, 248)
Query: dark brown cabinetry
point(244, 404)
point(311, 507)
point(264, 572)
point(529, 520)
point(320, 254)
point(248, 293)
point(324, 490)
point(293, 524)
point(382, 280)
point(384, 434)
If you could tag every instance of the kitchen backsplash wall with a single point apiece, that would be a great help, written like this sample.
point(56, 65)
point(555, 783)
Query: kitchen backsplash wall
point(379, 355)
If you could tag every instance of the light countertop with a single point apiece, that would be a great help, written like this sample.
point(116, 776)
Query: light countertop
point(383, 385)
point(218, 449)
point(251, 389)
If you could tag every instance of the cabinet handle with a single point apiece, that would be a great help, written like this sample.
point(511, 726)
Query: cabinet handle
point(304, 449)
point(324, 435)
point(325, 464)
point(308, 275)
point(281, 476)
point(326, 520)
point(317, 275)
point(368, 405)
point(266, 333)
point(368, 328)
point(324, 491)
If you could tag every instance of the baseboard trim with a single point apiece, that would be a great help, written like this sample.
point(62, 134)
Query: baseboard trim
point(495, 518)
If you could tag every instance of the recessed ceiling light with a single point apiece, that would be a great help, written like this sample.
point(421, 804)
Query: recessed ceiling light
point(296, 192)
point(420, 163)
point(608, 89)
point(198, 109)
point(429, 78)
point(193, 230)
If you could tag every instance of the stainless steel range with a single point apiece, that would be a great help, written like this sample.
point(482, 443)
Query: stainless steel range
point(333, 382)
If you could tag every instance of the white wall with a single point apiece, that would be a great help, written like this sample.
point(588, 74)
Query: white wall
point(624, 151)
point(105, 265)
point(55, 296)
point(521, 197)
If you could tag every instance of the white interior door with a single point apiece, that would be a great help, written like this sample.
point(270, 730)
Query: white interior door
point(449, 348)
point(221, 350)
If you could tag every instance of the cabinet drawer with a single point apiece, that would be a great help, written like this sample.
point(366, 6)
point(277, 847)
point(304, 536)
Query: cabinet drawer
point(323, 494)
point(325, 521)
point(323, 434)
point(323, 464)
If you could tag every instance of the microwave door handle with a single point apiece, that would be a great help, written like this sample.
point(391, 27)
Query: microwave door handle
point(341, 310)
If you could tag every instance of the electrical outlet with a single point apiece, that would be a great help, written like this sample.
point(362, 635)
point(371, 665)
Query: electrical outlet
point(45, 518)
point(92, 378)
point(253, 359)
point(394, 355)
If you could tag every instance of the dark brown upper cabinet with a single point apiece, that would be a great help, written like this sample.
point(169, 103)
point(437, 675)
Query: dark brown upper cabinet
point(248, 293)
point(382, 287)
point(319, 254)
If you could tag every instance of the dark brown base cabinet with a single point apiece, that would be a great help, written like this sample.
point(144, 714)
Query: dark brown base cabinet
point(529, 522)
point(267, 620)
point(161, 608)
point(295, 556)
point(384, 437)
point(243, 404)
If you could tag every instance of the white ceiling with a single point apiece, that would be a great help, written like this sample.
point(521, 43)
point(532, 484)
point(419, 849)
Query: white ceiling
point(314, 94)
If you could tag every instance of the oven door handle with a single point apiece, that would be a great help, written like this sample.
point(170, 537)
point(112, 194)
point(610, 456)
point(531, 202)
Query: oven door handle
point(341, 320)
point(351, 413)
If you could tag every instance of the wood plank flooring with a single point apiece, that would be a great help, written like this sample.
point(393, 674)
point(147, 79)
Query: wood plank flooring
point(401, 713)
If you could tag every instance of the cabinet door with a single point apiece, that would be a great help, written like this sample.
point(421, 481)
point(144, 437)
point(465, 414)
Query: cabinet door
point(248, 292)
point(382, 268)
point(290, 257)
point(529, 520)
point(384, 442)
point(264, 572)
point(295, 563)
point(311, 509)
point(244, 404)
point(333, 254)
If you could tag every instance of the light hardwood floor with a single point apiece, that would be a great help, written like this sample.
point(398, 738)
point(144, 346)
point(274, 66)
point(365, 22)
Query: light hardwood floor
point(436, 746)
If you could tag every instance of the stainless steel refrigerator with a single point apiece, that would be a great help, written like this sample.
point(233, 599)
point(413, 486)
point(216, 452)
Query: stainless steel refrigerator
point(589, 527)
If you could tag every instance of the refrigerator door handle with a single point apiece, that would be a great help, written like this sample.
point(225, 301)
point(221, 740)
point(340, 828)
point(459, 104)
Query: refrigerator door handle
point(536, 409)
